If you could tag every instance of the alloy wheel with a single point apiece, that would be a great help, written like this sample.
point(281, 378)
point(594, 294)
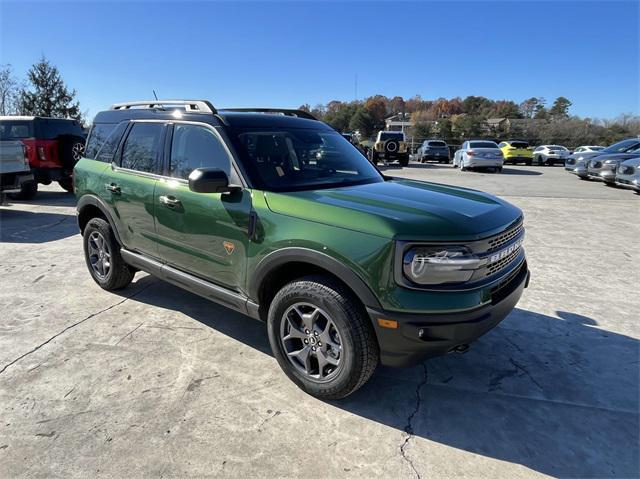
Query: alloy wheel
point(311, 342)
point(99, 255)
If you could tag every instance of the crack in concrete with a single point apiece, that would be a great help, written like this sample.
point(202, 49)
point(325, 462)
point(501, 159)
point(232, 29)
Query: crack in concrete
point(408, 429)
point(77, 323)
point(526, 372)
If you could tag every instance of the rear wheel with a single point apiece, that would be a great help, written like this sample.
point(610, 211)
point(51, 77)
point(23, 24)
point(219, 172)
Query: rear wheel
point(102, 255)
point(321, 337)
point(403, 160)
point(28, 191)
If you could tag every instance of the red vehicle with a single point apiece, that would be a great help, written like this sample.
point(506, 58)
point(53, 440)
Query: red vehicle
point(53, 147)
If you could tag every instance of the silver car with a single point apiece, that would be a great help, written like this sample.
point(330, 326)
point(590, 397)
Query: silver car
point(577, 163)
point(478, 154)
point(604, 167)
point(550, 155)
point(628, 174)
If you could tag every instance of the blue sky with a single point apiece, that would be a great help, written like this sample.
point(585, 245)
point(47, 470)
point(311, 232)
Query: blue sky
point(285, 54)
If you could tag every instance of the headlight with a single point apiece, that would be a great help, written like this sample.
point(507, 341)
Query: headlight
point(439, 265)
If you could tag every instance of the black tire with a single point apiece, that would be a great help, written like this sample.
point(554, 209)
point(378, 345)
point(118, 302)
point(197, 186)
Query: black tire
point(403, 160)
point(119, 274)
point(584, 178)
point(28, 191)
point(359, 349)
point(66, 184)
point(528, 162)
point(499, 169)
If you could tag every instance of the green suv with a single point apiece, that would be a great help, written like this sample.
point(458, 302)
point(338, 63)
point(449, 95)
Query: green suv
point(274, 214)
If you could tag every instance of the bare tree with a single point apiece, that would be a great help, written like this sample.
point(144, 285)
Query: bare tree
point(9, 91)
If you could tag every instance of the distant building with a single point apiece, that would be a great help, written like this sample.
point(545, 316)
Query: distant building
point(398, 122)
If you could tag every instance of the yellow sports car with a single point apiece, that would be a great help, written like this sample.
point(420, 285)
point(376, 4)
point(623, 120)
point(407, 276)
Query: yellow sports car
point(516, 152)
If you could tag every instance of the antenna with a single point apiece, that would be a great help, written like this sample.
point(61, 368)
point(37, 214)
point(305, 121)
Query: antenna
point(154, 94)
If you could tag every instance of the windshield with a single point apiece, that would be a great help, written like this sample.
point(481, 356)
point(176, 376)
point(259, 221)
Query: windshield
point(482, 144)
point(386, 135)
point(15, 130)
point(622, 146)
point(301, 159)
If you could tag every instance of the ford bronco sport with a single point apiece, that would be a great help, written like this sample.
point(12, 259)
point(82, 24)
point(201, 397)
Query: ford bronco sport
point(53, 146)
point(390, 146)
point(274, 214)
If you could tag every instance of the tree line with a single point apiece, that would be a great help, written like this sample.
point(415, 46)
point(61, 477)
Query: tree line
point(455, 119)
point(42, 93)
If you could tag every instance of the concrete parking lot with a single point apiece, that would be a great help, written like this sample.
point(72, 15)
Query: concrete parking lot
point(158, 382)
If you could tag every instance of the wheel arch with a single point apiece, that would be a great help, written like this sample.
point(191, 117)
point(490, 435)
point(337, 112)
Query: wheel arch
point(90, 206)
point(285, 265)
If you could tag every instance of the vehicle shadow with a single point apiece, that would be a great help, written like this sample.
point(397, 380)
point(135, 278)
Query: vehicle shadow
point(50, 198)
point(555, 394)
point(520, 171)
point(20, 226)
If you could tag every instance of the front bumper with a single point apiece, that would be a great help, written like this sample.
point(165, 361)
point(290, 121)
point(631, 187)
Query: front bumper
point(630, 183)
point(421, 336)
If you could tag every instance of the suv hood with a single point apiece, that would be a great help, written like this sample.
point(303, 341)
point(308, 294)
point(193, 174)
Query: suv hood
point(618, 156)
point(402, 209)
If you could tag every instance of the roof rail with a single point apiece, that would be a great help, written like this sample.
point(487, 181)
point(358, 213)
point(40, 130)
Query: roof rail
point(283, 111)
point(191, 106)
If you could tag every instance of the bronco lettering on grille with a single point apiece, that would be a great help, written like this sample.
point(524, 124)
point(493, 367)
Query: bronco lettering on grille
point(498, 255)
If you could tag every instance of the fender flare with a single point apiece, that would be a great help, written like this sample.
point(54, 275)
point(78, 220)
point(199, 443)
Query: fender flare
point(93, 200)
point(305, 255)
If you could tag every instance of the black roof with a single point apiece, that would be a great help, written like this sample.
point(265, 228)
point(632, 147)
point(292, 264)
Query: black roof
point(255, 118)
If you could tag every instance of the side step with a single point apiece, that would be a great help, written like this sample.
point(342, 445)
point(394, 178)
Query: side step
point(210, 291)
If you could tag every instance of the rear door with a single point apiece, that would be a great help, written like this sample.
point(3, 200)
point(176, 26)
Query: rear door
point(202, 233)
point(131, 183)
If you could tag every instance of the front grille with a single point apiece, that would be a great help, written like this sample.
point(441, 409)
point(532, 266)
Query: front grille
point(571, 161)
point(498, 241)
point(503, 263)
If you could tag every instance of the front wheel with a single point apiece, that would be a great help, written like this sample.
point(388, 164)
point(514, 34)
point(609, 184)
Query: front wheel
point(321, 337)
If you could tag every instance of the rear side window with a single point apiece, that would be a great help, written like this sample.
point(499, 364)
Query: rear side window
point(195, 146)
point(108, 149)
point(15, 130)
point(98, 135)
point(142, 147)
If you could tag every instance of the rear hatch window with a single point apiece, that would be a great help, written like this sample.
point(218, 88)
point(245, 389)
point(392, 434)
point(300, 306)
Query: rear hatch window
point(437, 144)
point(520, 144)
point(51, 129)
point(391, 136)
point(483, 144)
point(15, 129)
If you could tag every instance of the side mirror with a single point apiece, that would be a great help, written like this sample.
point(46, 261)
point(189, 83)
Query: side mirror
point(210, 180)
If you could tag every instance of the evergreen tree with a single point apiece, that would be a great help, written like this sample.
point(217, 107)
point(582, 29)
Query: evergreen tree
point(47, 95)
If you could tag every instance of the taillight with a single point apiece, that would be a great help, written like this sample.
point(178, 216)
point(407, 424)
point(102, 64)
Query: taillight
point(470, 152)
point(41, 155)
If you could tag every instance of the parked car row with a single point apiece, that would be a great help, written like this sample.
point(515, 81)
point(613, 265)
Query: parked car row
point(52, 147)
point(615, 165)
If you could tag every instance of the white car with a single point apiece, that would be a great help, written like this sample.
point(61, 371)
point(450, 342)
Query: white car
point(478, 154)
point(588, 148)
point(550, 155)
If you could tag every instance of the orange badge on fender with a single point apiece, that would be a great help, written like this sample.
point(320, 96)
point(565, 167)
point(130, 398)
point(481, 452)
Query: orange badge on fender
point(229, 246)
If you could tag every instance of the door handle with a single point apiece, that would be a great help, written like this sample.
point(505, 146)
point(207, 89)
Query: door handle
point(113, 188)
point(169, 201)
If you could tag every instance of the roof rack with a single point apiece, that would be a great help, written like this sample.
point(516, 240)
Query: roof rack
point(191, 106)
point(283, 111)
